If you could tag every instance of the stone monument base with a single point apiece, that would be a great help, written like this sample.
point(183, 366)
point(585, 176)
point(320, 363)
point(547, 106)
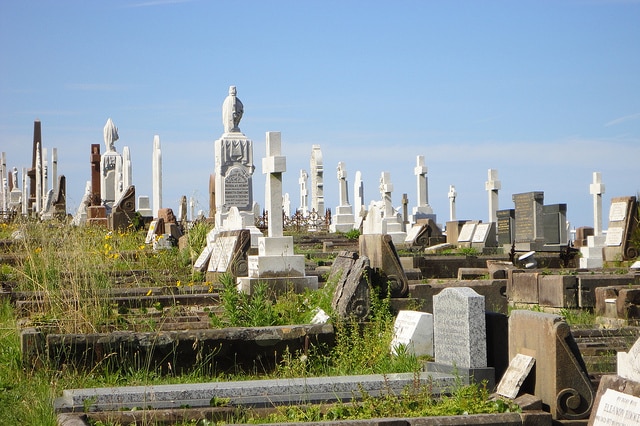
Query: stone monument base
point(467, 375)
point(279, 285)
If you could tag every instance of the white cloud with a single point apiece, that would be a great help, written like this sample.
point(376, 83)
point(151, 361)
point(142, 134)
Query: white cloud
point(620, 120)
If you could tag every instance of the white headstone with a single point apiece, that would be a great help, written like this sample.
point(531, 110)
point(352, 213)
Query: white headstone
point(343, 219)
point(459, 328)
point(413, 330)
point(629, 363)
point(422, 210)
point(516, 373)
point(617, 408)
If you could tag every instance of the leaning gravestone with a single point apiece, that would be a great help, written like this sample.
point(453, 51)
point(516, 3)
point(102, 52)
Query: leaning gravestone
point(516, 373)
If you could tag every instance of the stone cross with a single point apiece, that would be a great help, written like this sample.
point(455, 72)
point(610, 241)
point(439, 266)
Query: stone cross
point(342, 180)
point(386, 188)
point(127, 176)
point(452, 203)
point(304, 192)
point(492, 186)
point(317, 181)
point(421, 181)
point(157, 175)
point(597, 189)
point(273, 165)
point(358, 191)
point(405, 209)
point(25, 198)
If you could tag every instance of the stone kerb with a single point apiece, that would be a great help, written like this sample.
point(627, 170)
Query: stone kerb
point(459, 328)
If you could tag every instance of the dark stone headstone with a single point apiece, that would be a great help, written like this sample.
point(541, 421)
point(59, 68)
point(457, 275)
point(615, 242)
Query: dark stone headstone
point(352, 298)
point(529, 222)
point(506, 226)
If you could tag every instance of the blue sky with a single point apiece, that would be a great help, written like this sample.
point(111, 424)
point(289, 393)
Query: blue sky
point(546, 92)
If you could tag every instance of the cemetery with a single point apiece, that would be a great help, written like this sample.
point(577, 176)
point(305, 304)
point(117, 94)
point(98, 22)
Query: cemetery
point(129, 311)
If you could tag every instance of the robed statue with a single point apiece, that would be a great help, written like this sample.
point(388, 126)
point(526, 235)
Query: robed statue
point(232, 111)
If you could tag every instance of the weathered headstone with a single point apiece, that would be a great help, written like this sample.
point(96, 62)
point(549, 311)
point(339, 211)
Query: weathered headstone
point(385, 262)
point(414, 331)
point(617, 408)
point(484, 236)
point(516, 373)
point(123, 210)
point(505, 227)
point(629, 363)
point(555, 225)
point(352, 275)
point(466, 233)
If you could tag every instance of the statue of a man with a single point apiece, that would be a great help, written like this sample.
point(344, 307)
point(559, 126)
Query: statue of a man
point(110, 135)
point(14, 178)
point(232, 111)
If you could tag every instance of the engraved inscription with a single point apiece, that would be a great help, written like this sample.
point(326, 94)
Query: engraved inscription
point(618, 211)
point(236, 189)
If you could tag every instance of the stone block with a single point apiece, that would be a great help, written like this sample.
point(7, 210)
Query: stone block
point(559, 378)
point(275, 246)
point(276, 266)
point(459, 328)
point(628, 303)
point(629, 363)
point(602, 294)
point(588, 283)
point(522, 286)
point(558, 291)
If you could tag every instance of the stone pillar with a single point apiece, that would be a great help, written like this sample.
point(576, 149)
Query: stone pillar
point(38, 180)
point(386, 188)
point(597, 189)
point(127, 177)
point(25, 193)
point(304, 192)
point(54, 170)
point(37, 140)
point(94, 159)
point(317, 181)
point(358, 191)
point(452, 203)
point(45, 173)
point(492, 186)
point(157, 175)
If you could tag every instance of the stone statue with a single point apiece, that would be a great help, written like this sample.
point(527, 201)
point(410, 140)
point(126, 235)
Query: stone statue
point(110, 135)
point(232, 111)
point(14, 178)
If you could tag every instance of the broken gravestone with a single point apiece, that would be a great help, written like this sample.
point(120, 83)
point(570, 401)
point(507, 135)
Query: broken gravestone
point(352, 276)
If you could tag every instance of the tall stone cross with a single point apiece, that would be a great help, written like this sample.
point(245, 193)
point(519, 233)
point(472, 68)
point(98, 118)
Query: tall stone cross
point(317, 180)
point(597, 189)
point(273, 165)
point(452, 203)
point(492, 186)
point(422, 183)
point(156, 175)
point(342, 180)
point(386, 188)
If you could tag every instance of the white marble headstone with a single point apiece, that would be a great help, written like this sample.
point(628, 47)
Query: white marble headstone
point(414, 330)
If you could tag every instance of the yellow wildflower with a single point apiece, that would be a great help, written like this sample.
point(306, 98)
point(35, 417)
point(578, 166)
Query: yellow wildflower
point(150, 292)
point(178, 283)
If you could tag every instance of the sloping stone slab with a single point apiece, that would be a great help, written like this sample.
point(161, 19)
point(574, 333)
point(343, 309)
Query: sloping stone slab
point(352, 275)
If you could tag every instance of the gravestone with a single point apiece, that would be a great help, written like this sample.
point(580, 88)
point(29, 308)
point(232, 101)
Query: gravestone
point(304, 192)
point(623, 220)
point(529, 221)
point(110, 168)
point(382, 218)
point(466, 233)
point(560, 378)
point(555, 226)
point(123, 210)
point(388, 273)
point(276, 264)
point(422, 210)
point(414, 331)
point(317, 180)
point(617, 408)
point(484, 236)
point(352, 275)
point(227, 253)
point(459, 328)
point(492, 186)
point(424, 233)
point(359, 210)
point(629, 363)
point(452, 194)
point(156, 175)
point(506, 227)
point(94, 159)
point(233, 164)
point(34, 178)
point(514, 377)
point(343, 220)
point(144, 206)
point(80, 218)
